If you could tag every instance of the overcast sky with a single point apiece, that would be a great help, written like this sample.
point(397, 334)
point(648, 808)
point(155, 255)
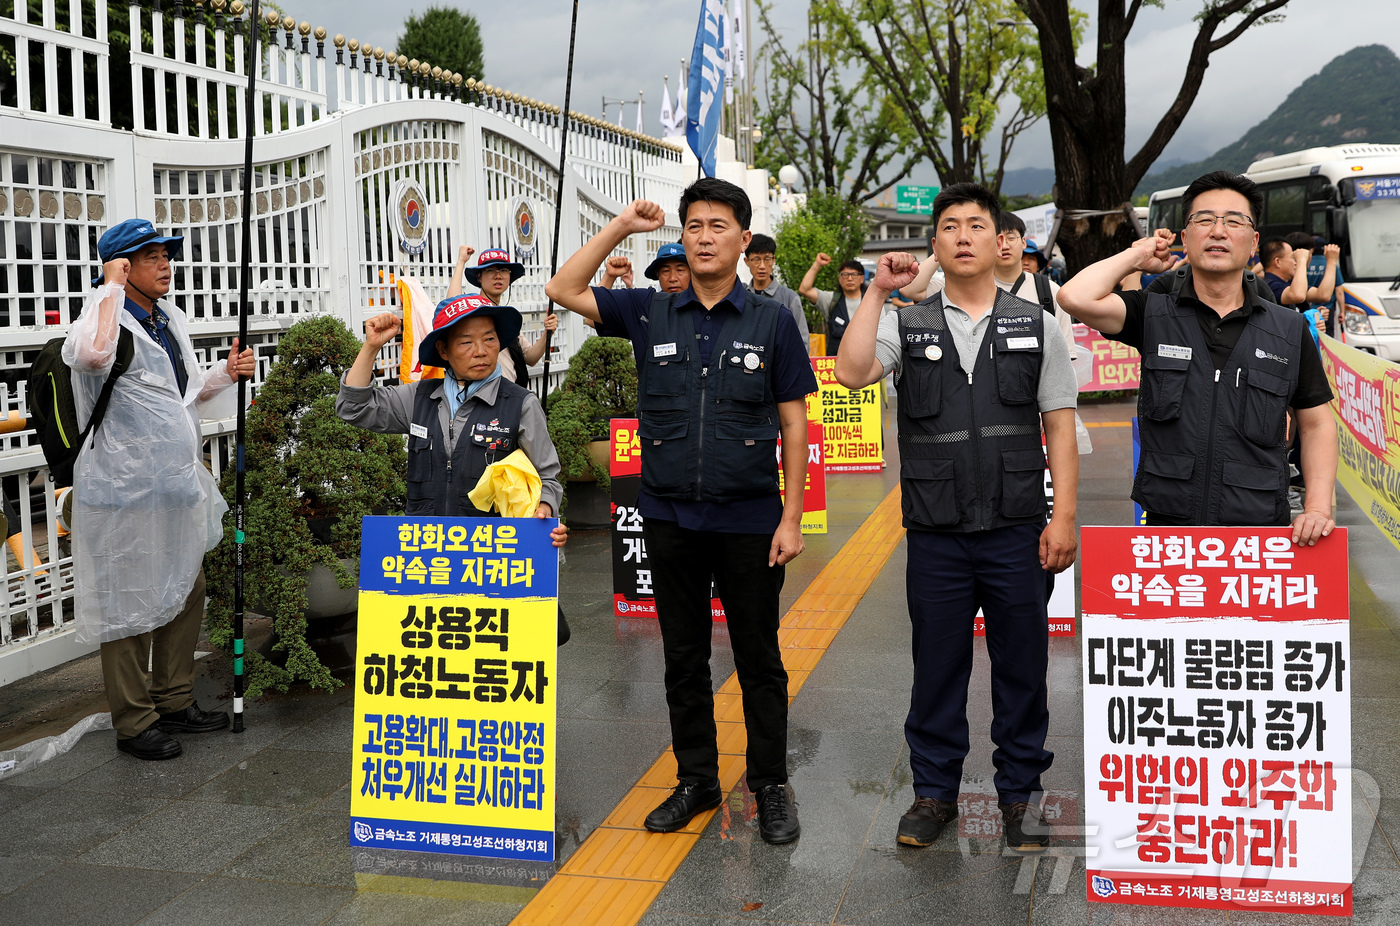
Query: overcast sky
point(626, 46)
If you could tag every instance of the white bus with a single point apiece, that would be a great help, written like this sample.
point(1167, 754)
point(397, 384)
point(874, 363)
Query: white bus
point(1350, 195)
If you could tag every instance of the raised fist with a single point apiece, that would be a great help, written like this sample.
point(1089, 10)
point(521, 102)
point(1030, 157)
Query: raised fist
point(642, 216)
point(382, 328)
point(464, 254)
point(822, 260)
point(115, 270)
point(895, 270)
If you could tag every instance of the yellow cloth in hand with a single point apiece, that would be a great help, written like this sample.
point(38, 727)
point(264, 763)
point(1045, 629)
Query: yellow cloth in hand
point(511, 485)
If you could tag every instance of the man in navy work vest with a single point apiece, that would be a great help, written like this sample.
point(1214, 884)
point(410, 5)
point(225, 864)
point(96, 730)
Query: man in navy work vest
point(720, 372)
point(1220, 369)
point(979, 371)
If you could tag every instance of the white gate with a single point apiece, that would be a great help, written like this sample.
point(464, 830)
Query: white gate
point(93, 132)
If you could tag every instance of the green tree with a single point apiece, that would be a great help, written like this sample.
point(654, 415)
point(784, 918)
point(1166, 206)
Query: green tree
point(1088, 109)
point(954, 68)
point(827, 222)
point(851, 130)
point(446, 37)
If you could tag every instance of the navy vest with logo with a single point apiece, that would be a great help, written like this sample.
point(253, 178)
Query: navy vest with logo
point(838, 321)
point(1213, 445)
point(437, 484)
point(969, 446)
point(709, 434)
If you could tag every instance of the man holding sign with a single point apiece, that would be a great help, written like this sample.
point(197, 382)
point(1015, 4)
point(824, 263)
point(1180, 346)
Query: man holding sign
point(979, 371)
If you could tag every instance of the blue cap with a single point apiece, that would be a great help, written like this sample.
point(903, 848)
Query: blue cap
point(1034, 250)
point(454, 309)
point(667, 252)
point(126, 238)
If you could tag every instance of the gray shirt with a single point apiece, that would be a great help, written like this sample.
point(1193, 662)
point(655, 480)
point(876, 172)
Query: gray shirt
point(826, 300)
point(389, 410)
point(784, 296)
point(1058, 386)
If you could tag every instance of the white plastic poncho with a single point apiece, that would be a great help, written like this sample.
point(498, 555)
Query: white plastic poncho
point(145, 508)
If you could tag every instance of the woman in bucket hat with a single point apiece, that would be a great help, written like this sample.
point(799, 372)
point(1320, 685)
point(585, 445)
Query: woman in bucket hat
point(493, 274)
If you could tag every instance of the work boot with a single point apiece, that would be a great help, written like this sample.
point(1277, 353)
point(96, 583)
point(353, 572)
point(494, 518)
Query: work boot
point(924, 821)
point(1025, 827)
point(150, 744)
point(192, 720)
point(777, 818)
point(690, 797)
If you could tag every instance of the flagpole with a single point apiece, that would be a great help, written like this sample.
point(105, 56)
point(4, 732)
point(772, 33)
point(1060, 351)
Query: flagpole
point(240, 431)
point(559, 198)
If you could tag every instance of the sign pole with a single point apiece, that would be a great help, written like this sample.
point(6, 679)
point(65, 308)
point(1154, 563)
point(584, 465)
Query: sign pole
point(559, 197)
point(240, 432)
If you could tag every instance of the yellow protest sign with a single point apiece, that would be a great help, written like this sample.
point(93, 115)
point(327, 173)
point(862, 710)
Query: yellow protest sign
point(852, 436)
point(454, 734)
point(1367, 408)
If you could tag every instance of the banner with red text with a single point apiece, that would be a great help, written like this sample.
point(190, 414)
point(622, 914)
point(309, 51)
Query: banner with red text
point(1112, 365)
point(1217, 719)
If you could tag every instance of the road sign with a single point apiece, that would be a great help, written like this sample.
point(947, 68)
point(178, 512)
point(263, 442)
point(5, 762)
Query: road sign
point(914, 199)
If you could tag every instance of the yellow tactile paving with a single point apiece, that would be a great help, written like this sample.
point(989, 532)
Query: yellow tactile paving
point(637, 854)
point(616, 874)
point(588, 901)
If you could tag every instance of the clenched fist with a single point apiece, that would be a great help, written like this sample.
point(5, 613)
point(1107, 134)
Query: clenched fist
point(382, 329)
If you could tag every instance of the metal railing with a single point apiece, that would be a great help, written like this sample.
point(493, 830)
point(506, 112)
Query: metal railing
point(96, 128)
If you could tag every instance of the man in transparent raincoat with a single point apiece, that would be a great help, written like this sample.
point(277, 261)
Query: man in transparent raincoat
point(145, 508)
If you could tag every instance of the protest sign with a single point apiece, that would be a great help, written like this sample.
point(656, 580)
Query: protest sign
point(1217, 721)
point(1113, 366)
point(1367, 409)
point(633, 595)
point(852, 430)
point(454, 734)
point(814, 496)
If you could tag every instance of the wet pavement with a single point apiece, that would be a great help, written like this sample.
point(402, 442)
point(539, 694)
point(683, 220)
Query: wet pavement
point(252, 828)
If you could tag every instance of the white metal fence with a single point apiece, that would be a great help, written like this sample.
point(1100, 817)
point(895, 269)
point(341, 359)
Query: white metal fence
point(96, 128)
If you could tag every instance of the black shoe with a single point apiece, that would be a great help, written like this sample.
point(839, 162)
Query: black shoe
point(1025, 827)
point(150, 744)
point(924, 821)
point(689, 798)
point(192, 720)
point(777, 818)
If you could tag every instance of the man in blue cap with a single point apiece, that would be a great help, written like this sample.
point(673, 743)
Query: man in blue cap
point(460, 424)
point(145, 508)
point(493, 274)
point(670, 269)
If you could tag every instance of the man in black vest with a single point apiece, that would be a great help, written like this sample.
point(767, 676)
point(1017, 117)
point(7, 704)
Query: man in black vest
point(1220, 369)
point(720, 371)
point(979, 372)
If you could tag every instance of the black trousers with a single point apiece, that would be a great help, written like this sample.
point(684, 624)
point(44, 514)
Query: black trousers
point(948, 578)
point(682, 562)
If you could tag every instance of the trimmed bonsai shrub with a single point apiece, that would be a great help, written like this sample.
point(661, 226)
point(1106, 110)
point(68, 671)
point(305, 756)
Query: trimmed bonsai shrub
point(601, 384)
point(310, 478)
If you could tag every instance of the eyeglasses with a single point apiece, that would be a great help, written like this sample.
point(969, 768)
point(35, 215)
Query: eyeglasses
point(1012, 236)
point(760, 258)
point(850, 274)
point(1235, 221)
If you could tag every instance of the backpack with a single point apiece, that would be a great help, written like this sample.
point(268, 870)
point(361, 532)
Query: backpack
point(55, 414)
point(1043, 294)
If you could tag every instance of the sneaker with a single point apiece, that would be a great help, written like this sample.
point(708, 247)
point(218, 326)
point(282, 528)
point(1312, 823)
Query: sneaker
point(687, 799)
point(1025, 827)
point(777, 818)
point(924, 821)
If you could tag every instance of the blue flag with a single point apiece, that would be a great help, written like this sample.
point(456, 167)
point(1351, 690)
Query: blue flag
point(705, 84)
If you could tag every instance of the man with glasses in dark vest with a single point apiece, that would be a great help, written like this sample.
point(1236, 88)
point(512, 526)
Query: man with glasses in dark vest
point(1221, 368)
point(720, 371)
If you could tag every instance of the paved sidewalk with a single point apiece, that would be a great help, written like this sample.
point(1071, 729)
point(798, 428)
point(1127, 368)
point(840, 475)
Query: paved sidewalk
point(253, 828)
